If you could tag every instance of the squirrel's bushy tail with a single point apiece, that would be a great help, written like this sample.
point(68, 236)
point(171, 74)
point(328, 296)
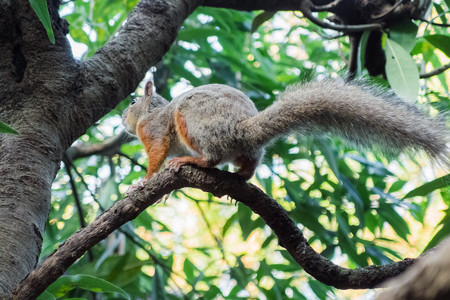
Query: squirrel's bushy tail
point(363, 114)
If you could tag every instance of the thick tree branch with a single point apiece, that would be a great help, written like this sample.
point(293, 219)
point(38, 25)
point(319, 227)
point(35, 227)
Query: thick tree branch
point(219, 183)
point(117, 68)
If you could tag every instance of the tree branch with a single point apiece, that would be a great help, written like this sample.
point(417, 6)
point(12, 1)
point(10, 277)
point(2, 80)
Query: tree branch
point(345, 28)
point(219, 183)
point(118, 67)
point(107, 147)
point(249, 5)
point(326, 7)
point(436, 71)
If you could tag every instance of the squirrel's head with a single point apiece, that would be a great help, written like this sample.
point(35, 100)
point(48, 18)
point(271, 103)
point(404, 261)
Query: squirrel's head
point(138, 108)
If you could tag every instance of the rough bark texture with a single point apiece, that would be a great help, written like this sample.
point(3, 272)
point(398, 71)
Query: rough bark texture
point(219, 183)
point(51, 99)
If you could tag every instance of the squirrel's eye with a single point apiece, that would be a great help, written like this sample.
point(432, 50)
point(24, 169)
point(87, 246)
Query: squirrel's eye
point(133, 101)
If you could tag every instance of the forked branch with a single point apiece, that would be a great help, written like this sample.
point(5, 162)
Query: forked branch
point(219, 183)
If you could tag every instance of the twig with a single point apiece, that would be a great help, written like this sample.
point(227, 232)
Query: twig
point(384, 14)
point(345, 28)
point(77, 200)
point(436, 71)
point(107, 147)
point(135, 162)
point(327, 7)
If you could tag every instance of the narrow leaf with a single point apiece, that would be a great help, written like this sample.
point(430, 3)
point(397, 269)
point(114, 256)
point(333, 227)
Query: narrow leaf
point(428, 187)
point(158, 284)
point(6, 129)
point(64, 284)
point(439, 236)
point(388, 213)
point(362, 52)
point(41, 9)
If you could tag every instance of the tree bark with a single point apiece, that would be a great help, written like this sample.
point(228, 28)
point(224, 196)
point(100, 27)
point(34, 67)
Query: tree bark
point(51, 99)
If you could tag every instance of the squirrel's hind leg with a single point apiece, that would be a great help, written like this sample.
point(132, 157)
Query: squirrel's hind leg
point(247, 166)
point(175, 163)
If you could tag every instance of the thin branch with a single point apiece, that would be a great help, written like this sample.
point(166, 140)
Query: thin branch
point(386, 13)
point(345, 28)
point(219, 183)
point(436, 71)
point(435, 24)
point(327, 7)
point(80, 213)
point(168, 270)
point(431, 22)
point(107, 147)
point(324, 36)
point(133, 161)
point(218, 240)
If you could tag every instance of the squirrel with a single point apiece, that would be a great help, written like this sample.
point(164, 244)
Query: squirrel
point(216, 123)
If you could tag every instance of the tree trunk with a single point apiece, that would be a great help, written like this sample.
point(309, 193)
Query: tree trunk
point(51, 99)
point(34, 83)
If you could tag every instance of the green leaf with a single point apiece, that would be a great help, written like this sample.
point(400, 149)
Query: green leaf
point(245, 220)
point(213, 291)
point(228, 223)
point(404, 33)
point(6, 129)
point(442, 42)
point(388, 213)
point(396, 186)
point(46, 296)
point(261, 18)
point(158, 284)
point(188, 269)
point(330, 156)
point(362, 52)
point(354, 196)
point(374, 167)
point(41, 9)
point(321, 290)
point(428, 187)
point(401, 71)
point(440, 235)
point(64, 284)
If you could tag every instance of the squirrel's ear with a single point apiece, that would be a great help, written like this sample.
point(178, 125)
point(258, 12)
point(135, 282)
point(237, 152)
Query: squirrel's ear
point(149, 88)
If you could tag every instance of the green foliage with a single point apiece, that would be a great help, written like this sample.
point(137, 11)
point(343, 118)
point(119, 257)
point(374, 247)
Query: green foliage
point(64, 284)
point(6, 129)
point(352, 206)
point(41, 10)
